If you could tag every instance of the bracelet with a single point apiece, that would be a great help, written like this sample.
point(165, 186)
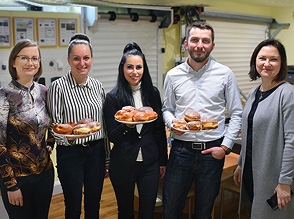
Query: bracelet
point(13, 188)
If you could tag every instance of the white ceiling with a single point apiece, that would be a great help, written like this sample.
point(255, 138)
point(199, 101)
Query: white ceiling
point(167, 3)
point(173, 3)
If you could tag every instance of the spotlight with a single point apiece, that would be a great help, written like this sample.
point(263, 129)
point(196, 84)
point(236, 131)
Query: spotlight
point(112, 16)
point(134, 17)
point(153, 17)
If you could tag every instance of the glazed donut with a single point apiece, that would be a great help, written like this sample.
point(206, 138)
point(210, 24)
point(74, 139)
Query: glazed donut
point(180, 124)
point(146, 108)
point(62, 129)
point(209, 124)
point(191, 115)
point(73, 124)
point(85, 121)
point(128, 108)
point(151, 115)
point(81, 129)
point(140, 116)
point(94, 126)
point(194, 125)
point(123, 115)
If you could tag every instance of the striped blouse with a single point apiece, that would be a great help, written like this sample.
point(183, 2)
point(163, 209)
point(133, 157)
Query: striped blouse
point(71, 102)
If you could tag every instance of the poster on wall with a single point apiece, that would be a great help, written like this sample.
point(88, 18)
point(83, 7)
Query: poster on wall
point(23, 29)
point(4, 32)
point(67, 28)
point(47, 32)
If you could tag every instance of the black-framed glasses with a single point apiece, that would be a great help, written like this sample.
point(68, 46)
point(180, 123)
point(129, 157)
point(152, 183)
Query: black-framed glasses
point(26, 59)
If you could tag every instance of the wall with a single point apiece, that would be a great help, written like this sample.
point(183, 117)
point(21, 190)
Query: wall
point(281, 14)
point(49, 54)
point(286, 15)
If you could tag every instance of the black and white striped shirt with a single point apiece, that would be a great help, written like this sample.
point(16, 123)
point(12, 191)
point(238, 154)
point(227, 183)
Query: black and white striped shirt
point(70, 102)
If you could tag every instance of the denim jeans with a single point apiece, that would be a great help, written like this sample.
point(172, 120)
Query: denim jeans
point(184, 166)
point(36, 191)
point(81, 170)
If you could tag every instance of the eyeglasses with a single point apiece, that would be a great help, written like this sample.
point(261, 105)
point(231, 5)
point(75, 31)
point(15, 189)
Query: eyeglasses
point(25, 59)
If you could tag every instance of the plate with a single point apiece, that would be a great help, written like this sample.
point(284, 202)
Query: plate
point(135, 123)
point(74, 136)
point(187, 130)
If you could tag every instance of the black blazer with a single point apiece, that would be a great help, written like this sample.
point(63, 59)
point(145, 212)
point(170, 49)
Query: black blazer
point(127, 141)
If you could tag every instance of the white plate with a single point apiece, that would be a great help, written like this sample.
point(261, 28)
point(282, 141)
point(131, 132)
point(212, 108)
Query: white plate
point(74, 136)
point(135, 123)
point(187, 130)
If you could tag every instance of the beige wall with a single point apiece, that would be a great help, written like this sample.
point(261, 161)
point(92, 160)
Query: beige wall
point(281, 14)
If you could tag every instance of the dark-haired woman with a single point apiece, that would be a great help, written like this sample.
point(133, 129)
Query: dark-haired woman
point(139, 152)
point(25, 165)
point(80, 161)
point(266, 164)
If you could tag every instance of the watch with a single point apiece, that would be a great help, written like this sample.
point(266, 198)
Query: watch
point(226, 149)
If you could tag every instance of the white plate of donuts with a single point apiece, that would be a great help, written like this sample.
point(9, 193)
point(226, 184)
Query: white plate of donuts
point(132, 116)
point(192, 122)
point(83, 128)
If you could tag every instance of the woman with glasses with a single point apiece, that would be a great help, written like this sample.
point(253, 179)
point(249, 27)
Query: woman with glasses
point(25, 165)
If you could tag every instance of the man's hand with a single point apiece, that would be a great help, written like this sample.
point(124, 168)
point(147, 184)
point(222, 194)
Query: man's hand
point(216, 152)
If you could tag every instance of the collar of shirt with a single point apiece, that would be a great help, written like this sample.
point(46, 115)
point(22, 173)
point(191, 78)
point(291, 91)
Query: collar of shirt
point(202, 70)
point(23, 87)
point(73, 83)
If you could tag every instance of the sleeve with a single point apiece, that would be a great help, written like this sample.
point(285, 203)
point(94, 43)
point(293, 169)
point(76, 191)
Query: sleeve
point(234, 106)
point(6, 170)
point(287, 169)
point(161, 137)
point(55, 105)
point(116, 132)
point(168, 108)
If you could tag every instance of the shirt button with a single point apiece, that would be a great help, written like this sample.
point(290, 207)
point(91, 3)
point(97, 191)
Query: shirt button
point(139, 136)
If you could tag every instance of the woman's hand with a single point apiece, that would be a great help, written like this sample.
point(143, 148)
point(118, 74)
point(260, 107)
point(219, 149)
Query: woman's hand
point(106, 172)
point(283, 194)
point(162, 171)
point(237, 175)
point(15, 197)
point(49, 149)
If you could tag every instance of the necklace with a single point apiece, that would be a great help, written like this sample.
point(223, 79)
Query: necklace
point(261, 95)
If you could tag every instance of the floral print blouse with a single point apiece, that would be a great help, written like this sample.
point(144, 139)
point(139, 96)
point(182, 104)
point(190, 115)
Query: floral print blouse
point(24, 122)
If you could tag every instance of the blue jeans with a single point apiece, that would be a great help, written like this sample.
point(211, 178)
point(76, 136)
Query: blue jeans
point(81, 169)
point(36, 191)
point(184, 166)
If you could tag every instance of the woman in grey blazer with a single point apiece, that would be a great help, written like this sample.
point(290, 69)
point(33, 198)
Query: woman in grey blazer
point(266, 162)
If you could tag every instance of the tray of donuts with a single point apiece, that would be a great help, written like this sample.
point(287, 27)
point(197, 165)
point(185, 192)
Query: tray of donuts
point(192, 122)
point(83, 128)
point(132, 116)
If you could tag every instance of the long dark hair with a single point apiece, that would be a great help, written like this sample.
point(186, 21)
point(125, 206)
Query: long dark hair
point(254, 75)
point(123, 89)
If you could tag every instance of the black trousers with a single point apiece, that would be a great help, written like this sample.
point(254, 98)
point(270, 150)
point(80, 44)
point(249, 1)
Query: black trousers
point(36, 191)
point(81, 171)
point(124, 178)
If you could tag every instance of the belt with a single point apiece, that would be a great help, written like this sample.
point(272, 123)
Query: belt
point(199, 146)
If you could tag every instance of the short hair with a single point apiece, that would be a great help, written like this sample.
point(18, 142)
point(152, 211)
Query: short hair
point(13, 54)
point(200, 25)
point(79, 38)
point(254, 75)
